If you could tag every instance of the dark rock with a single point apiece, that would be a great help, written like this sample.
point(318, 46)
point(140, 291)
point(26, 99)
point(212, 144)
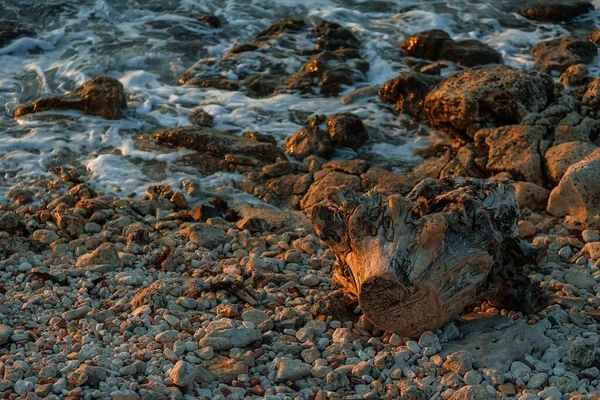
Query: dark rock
point(486, 97)
point(103, 96)
point(330, 71)
point(308, 141)
point(221, 150)
point(574, 75)
point(347, 130)
point(332, 36)
point(200, 117)
point(560, 54)
point(10, 31)
point(202, 212)
point(263, 85)
point(436, 45)
point(286, 25)
point(260, 137)
point(211, 20)
point(555, 10)
point(408, 91)
point(335, 304)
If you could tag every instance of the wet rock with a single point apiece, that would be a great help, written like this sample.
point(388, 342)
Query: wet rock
point(578, 193)
point(438, 45)
point(407, 92)
point(199, 117)
point(555, 10)
point(486, 97)
point(591, 97)
point(219, 150)
point(347, 130)
point(515, 149)
point(594, 37)
point(574, 75)
point(10, 31)
point(560, 157)
point(211, 20)
point(285, 25)
point(332, 36)
point(103, 96)
point(560, 54)
point(330, 71)
point(307, 141)
point(260, 137)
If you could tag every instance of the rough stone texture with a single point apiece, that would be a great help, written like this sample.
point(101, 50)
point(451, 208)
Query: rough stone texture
point(307, 141)
point(473, 392)
point(531, 196)
point(199, 117)
point(560, 54)
point(516, 149)
point(496, 342)
point(219, 150)
point(183, 374)
point(437, 45)
point(591, 96)
point(560, 157)
point(574, 75)
point(105, 254)
point(484, 98)
point(205, 235)
point(87, 375)
point(555, 10)
point(578, 193)
point(102, 96)
point(347, 130)
point(407, 92)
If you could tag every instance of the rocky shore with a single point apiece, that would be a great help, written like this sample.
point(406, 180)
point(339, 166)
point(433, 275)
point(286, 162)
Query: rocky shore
point(179, 293)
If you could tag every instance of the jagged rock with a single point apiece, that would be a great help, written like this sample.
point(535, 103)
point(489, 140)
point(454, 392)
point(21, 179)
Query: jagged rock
point(486, 97)
point(407, 92)
point(307, 141)
point(436, 45)
point(578, 193)
point(591, 97)
point(555, 10)
point(347, 130)
point(399, 250)
point(574, 75)
point(105, 256)
point(560, 54)
point(219, 150)
point(516, 149)
point(103, 96)
point(560, 157)
point(199, 117)
point(183, 374)
point(332, 36)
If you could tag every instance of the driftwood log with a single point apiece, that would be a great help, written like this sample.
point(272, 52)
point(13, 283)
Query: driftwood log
point(414, 263)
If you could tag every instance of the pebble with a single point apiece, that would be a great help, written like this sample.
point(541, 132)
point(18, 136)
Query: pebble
point(5, 334)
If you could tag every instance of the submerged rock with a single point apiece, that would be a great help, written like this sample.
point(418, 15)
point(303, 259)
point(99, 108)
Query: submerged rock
point(486, 97)
point(560, 54)
point(578, 193)
point(103, 96)
point(211, 20)
point(555, 10)
point(437, 45)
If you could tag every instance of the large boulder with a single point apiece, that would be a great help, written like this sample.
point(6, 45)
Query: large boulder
point(514, 149)
point(560, 157)
point(407, 92)
point(578, 193)
point(560, 54)
point(103, 96)
point(555, 10)
point(436, 45)
point(485, 98)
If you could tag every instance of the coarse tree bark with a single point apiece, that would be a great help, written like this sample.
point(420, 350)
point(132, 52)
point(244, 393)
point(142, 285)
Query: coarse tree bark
point(415, 262)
